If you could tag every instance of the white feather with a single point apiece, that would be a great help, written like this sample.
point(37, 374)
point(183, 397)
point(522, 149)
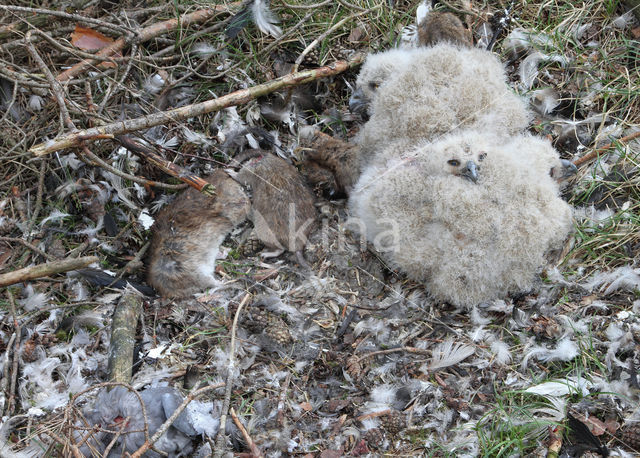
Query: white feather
point(565, 351)
point(265, 19)
point(449, 353)
point(559, 388)
point(501, 352)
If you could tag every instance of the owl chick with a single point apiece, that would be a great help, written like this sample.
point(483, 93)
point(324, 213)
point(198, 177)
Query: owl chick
point(187, 235)
point(435, 27)
point(471, 215)
point(444, 88)
point(376, 70)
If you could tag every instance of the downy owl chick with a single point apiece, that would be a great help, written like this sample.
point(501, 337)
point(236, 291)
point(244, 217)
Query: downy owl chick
point(470, 215)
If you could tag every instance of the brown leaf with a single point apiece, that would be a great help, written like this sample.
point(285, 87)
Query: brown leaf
point(356, 35)
point(307, 407)
point(89, 39)
point(331, 454)
point(636, 32)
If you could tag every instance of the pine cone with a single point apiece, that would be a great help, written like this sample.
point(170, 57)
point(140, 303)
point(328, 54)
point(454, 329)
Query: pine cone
point(393, 423)
point(630, 436)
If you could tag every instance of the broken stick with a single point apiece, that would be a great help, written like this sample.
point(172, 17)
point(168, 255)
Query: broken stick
point(75, 139)
point(44, 270)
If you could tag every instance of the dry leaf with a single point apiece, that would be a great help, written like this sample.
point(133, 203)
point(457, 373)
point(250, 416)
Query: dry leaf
point(306, 406)
point(89, 39)
point(356, 35)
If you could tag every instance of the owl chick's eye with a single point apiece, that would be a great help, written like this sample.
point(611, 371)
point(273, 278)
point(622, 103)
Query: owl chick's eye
point(453, 162)
point(373, 85)
point(482, 156)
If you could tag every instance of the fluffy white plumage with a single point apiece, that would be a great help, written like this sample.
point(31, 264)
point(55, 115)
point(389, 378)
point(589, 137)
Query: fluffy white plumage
point(467, 241)
point(432, 91)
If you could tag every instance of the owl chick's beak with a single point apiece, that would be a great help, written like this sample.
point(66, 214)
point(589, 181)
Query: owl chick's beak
point(569, 168)
point(471, 172)
point(358, 103)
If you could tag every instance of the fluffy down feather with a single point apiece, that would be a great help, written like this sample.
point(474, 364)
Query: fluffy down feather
point(377, 69)
point(433, 91)
point(468, 239)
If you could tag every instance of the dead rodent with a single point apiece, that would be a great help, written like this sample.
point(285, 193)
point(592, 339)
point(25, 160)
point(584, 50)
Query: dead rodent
point(438, 27)
point(331, 165)
point(187, 235)
point(282, 206)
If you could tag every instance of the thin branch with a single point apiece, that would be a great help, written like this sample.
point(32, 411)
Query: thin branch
point(147, 34)
point(597, 152)
point(324, 35)
point(44, 270)
point(165, 426)
point(75, 139)
point(95, 160)
point(252, 446)
point(167, 166)
point(32, 247)
point(219, 449)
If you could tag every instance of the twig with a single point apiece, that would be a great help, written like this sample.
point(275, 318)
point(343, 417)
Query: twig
point(95, 160)
point(72, 17)
point(147, 34)
point(252, 446)
point(167, 166)
point(75, 139)
point(165, 426)
point(220, 446)
point(16, 352)
point(281, 400)
point(38, 206)
point(32, 247)
point(381, 413)
point(55, 86)
point(338, 24)
point(44, 270)
point(595, 153)
point(135, 263)
point(5, 372)
point(306, 7)
point(123, 332)
point(419, 351)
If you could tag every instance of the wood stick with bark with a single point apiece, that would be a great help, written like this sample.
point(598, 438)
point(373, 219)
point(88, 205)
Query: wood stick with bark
point(167, 166)
point(46, 269)
point(75, 139)
point(596, 152)
point(123, 336)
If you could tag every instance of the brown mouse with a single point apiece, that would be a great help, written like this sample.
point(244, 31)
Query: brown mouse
point(282, 206)
point(438, 27)
point(187, 235)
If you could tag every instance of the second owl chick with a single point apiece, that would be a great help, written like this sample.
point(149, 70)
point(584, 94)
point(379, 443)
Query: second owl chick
point(444, 88)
